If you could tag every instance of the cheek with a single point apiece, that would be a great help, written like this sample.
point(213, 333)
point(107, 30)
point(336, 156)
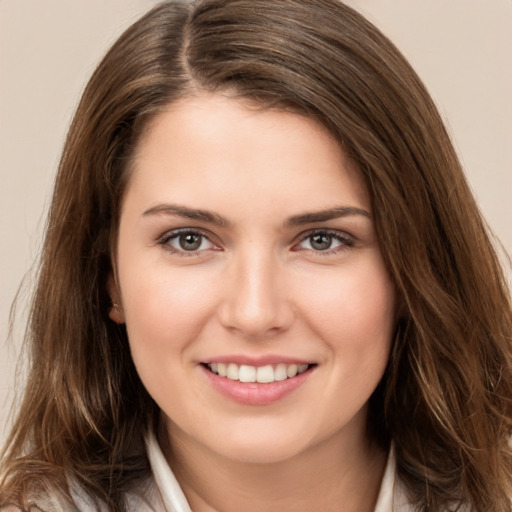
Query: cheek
point(353, 308)
point(165, 309)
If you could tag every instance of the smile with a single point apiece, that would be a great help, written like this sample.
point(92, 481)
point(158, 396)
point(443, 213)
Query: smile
point(261, 374)
point(255, 384)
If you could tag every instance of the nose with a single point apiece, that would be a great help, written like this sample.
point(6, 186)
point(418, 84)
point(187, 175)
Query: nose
point(255, 303)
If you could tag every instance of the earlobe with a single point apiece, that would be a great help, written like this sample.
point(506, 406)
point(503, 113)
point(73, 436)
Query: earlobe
point(115, 313)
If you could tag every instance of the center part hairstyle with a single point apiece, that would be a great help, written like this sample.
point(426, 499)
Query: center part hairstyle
point(445, 399)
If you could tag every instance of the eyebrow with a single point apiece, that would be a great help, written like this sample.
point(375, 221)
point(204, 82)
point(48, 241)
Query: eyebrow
point(217, 220)
point(188, 213)
point(325, 215)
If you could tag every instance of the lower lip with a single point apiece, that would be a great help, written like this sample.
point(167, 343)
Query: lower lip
point(255, 393)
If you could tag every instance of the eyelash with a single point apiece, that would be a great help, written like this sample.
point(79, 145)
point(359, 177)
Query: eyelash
point(346, 241)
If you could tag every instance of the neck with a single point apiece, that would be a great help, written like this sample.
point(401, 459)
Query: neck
point(326, 475)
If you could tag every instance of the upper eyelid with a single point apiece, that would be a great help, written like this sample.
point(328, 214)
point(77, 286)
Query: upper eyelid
point(167, 235)
point(333, 232)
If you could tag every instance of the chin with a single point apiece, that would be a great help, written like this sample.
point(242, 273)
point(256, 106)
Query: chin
point(264, 444)
point(263, 452)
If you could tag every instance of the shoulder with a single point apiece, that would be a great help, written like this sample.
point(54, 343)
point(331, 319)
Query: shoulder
point(143, 497)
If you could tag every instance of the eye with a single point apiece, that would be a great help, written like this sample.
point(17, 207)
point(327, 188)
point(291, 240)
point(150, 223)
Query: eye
point(325, 241)
point(186, 241)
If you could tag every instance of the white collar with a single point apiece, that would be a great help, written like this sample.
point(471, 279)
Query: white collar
point(170, 491)
point(391, 495)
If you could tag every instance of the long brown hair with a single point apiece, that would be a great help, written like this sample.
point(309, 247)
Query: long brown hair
point(446, 398)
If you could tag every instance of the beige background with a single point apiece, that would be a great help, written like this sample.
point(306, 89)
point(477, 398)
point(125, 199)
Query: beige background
point(48, 48)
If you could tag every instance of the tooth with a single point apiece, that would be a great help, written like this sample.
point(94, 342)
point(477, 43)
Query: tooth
point(262, 374)
point(221, 368)
point(232, 371)
point(265, 374)
point(302, 368)
point(280, 372)
point(247, 373)
point(291, 371)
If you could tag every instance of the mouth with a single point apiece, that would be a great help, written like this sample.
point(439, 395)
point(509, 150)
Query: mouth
point(266, 374)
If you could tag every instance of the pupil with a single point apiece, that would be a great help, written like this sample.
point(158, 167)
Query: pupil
point(321, 242)
point(190, 242)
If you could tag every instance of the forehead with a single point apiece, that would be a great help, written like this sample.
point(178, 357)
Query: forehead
point(229, 146)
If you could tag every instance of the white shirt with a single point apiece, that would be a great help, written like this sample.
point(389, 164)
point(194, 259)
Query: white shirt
point(161, 491)
point(164, 494)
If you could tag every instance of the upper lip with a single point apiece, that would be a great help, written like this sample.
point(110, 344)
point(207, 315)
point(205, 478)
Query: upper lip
point(262, 360)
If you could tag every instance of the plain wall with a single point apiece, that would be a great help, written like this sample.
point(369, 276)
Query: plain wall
point(49, 48)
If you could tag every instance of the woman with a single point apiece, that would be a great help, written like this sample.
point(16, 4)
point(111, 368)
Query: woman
point(265, 283)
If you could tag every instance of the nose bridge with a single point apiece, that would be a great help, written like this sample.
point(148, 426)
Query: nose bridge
point(255, 304)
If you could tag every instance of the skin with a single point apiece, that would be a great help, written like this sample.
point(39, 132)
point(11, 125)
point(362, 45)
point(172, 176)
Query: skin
point(257, 285)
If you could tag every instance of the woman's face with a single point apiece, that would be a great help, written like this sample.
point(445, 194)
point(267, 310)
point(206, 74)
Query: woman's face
point(246, 246)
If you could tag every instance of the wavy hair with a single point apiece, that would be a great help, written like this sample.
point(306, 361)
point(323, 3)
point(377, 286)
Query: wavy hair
point(446, 397)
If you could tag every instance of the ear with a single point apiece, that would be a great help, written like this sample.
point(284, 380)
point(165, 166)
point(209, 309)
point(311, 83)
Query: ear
point(116, 312)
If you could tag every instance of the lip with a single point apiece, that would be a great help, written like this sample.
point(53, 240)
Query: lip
point(256, 361)
point(255, 393)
